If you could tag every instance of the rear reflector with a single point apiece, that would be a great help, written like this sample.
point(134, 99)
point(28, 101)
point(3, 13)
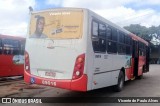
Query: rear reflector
point(27, 64)
point(79, 66)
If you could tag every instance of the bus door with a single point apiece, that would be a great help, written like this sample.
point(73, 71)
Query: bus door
point(135, 55)
point(147, 59)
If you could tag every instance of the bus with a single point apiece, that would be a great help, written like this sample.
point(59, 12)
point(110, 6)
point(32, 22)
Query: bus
point(11, 56)
point(76, 49)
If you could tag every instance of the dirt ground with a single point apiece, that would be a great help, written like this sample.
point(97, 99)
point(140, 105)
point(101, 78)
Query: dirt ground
point(148, 86)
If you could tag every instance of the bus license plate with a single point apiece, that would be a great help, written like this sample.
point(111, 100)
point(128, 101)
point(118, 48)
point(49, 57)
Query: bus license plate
point(50, 74)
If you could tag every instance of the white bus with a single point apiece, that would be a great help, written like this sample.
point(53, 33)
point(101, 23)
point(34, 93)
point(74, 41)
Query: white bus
point(76, 49)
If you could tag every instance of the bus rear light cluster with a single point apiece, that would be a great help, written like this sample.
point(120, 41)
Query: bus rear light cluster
point(27, 64)
point(79, 67)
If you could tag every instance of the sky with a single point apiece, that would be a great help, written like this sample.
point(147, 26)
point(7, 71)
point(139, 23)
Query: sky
point(14, 14)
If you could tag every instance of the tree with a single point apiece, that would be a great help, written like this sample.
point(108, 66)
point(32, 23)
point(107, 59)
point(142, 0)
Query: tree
point(139, 30)
point(144, 32)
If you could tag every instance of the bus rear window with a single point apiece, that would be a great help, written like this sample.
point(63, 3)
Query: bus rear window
point(62, 24)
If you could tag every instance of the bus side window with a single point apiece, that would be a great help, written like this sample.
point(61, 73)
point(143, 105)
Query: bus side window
point(15, 47)
point(22, 47)
point(95, 39)
point(128, 45)
point(121, 49)
point(128, 50)
point(6, 46)
point(1, 46)
point(102, 37)
point(142, 49)
point(121, 37)
point(11, 47)
point(114, 34)
point(109, 33)
point(111, 40)
point(98, 37)
point(111, 47)
point(102, 31)
point(94, 29)
point(122, 43)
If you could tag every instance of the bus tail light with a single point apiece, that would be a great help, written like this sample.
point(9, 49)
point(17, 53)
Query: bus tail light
point(27, 64)
point(79, 67)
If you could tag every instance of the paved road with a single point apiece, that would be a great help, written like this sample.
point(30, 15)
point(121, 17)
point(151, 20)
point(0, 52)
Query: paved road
point(149, 86)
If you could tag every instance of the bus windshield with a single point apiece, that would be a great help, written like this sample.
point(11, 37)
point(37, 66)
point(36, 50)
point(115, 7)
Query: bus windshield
point(61, 24)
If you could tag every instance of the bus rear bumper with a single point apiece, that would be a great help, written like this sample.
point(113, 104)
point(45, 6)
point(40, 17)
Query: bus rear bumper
point(77, 85)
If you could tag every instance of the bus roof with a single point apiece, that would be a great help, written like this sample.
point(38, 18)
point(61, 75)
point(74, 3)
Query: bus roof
point(135, 37)
point(54, 9)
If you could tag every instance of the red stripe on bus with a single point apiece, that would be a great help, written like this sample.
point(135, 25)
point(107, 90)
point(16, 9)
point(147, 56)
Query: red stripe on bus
point(78, 84)
point(128, 73)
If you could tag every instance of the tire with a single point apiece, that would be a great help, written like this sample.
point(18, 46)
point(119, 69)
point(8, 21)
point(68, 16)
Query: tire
point(140, 77)
point(120, 84)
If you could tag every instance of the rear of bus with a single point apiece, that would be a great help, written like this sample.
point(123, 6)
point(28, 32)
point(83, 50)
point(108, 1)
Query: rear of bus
point(56, 57)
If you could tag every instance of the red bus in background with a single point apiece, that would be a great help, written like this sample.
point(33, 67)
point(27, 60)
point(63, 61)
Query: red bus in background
point(11, 56)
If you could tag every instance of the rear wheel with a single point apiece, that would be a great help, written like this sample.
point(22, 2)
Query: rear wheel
point(120, 84)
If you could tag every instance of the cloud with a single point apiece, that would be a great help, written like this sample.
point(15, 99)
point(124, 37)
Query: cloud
point(94, 4)
point(117, 12)
point(125, 16)
point(101, 4)
point(54, 2)
point(15, 16)
point(146, 2)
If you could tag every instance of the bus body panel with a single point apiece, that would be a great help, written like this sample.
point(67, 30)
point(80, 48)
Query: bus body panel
point(5, 64)
point(59, 60)
point(8, 68)
point(11, 62)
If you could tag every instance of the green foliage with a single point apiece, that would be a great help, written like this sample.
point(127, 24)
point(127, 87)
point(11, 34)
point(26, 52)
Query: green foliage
point(144, 32)
point(148, 34)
